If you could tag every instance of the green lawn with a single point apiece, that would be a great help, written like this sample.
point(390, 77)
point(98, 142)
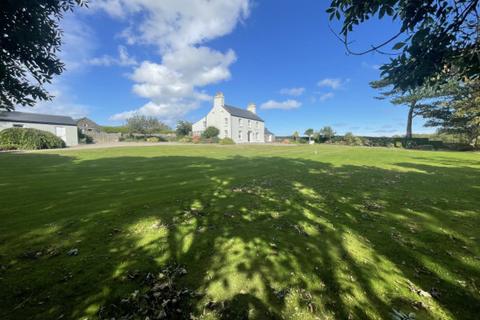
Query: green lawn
point(306, 232)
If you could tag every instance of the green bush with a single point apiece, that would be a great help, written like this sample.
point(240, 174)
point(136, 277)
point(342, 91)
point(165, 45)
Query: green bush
point(152, 139)
point(7, 147)
point(30, 139)
point(352, 140)
point(210, 140)
point(210, 132)
point(185, 139)
point(226, 141)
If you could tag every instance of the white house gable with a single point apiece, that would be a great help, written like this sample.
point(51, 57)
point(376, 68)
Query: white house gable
point(241, 125)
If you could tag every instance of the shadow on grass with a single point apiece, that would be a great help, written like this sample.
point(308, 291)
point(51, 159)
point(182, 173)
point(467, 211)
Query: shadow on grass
point(266, 236)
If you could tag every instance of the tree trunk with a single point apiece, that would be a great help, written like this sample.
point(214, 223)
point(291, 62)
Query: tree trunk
point(409, 122)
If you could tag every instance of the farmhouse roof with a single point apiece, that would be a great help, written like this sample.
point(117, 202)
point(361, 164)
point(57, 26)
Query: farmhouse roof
point(15, 116)
point(268, 131)
point(242, 113)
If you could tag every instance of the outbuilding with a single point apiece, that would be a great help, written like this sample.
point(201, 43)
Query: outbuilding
point(61, 126)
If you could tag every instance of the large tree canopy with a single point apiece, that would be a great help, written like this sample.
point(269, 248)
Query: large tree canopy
point(146, 125)
point(456, 109)
point(435, 36)
point(412, 98)
point(30, 38)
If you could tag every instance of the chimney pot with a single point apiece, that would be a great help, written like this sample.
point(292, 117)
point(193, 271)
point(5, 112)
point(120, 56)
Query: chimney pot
point(219, 100)
point(252, 108)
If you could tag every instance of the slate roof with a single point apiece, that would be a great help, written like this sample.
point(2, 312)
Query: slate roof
point(242, 113)
point(14, 116)
point(268, 132)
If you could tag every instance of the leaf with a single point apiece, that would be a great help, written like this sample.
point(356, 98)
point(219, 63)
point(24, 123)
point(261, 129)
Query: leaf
point(398, 45)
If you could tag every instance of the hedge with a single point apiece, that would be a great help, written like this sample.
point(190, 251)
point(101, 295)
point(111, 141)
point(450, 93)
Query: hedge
point(29, 139)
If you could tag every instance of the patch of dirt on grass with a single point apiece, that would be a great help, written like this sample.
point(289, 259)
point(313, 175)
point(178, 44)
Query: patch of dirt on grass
point(160, 297)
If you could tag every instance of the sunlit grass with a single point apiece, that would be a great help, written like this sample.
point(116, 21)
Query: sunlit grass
point(304, 232)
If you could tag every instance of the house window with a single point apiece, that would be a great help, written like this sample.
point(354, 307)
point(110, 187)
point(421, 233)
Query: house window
point(226, 133)
point(226, 121)
point(204, 123)
point(17, 125)
point(239, 135)
point(239, 122)
point(256, 124)
point(249, 124)
point(256, 136)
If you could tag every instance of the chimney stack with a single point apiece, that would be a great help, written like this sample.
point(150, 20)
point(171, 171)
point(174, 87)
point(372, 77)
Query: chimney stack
point(252, 108)
point(219, 100)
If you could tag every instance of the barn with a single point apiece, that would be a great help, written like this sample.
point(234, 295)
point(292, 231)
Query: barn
point(61, 126)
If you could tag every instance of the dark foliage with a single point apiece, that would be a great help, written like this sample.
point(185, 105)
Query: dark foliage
point(210, 132)
point(29, 42)
point(184, 128)
point(435, 37)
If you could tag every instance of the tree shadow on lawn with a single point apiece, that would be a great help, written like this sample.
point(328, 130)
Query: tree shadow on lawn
point(265, 236)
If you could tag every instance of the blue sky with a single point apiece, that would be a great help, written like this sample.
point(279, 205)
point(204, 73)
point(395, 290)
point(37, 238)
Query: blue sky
point(168, 58)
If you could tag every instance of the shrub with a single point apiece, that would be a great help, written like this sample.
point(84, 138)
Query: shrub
point(210, 132)
point(196, 139)
point(30, 139)
point(398, 144)
point(227, 141)
point(352, 140)
point(210, 140)
point(7, 147)
point(185, 139)
point(152, 139)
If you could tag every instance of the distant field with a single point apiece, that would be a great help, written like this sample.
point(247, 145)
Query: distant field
point(306, 232)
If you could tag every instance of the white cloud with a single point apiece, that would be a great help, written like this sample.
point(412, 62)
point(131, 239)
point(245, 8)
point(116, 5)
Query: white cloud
point(283, 105)
point(62, 104)
point(326, 96)
point(123, 59)
point(333, 83)
point(179, 29)
point(292, 91)
point(173, 24)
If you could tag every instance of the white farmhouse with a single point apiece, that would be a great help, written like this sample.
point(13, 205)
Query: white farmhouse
point(241, 125)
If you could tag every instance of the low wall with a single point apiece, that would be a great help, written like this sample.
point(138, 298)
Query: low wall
point(103, 137)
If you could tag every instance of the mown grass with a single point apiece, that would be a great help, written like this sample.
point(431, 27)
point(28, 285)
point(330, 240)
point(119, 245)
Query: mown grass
point(304, 232)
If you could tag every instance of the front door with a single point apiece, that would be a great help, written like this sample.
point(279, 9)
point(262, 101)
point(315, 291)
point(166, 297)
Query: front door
point(249, 136)
point(61, 132)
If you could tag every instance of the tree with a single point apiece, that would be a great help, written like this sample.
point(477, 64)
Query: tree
point(145, 125)
point(184, 128)
point(210, 132)
point(30, 39)
point(352, 140)
point(309, 133)
point(434, 37)
point(295, 136)
point(327, 133)
point(411, 98)
point(456, 110)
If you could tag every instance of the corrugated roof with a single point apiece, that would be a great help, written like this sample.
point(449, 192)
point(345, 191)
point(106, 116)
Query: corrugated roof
point(242, 113)
point(15, 116)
